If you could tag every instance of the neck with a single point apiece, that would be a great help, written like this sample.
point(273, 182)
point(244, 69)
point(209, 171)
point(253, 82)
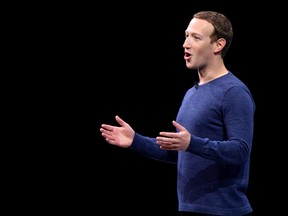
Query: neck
point(207, 75)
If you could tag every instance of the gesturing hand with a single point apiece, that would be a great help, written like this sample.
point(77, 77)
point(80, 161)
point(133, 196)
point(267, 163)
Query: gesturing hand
point(174, 140)
point(120, 136)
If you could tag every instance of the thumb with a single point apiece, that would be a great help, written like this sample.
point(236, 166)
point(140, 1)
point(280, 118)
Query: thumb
point(120, 121)
point(178, 126)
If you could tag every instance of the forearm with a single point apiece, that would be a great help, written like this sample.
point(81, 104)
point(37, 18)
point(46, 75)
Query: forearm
point(147, 146)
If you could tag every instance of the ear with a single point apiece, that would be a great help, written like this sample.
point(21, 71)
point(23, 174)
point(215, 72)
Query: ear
point(219, 45)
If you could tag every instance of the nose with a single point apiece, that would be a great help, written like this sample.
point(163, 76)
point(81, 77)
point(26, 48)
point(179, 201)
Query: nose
point(186, 43)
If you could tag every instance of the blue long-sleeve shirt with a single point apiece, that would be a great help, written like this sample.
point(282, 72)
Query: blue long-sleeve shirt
point(213, 173)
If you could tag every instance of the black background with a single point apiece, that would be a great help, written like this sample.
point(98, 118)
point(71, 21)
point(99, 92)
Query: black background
point(126, 59)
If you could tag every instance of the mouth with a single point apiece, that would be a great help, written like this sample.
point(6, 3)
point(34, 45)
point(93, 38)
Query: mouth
point(187, 55)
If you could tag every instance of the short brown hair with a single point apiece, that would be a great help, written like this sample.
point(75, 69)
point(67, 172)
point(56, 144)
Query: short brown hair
point(222, 27)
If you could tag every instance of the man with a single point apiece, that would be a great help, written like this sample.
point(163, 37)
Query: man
point(214, 127)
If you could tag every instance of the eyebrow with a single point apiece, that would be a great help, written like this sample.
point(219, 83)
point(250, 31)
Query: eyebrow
point(193, 33)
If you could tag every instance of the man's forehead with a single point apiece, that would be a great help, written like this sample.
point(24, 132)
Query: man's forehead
point(199, 26)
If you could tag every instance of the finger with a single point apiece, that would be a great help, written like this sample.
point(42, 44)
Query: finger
point(168, 134)
point(111, 141)
point(167, 141)
point(163, 143)
point(106, 136)
point(169, 147)
point(178, 126)
point(107, 127)
point(105, 133)
point(120, 121)
point(164, 139)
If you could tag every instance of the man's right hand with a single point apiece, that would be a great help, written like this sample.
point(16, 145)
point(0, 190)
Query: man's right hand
point(120, 136)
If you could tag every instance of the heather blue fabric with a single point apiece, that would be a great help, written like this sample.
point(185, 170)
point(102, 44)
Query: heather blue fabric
point(213, 173)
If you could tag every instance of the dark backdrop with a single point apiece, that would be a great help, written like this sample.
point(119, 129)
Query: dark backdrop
point(127, 60)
